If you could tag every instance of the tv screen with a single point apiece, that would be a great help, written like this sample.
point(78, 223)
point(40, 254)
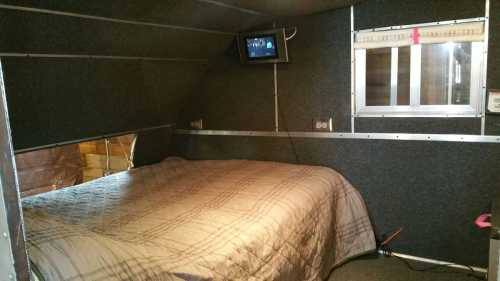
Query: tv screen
point(261, 47)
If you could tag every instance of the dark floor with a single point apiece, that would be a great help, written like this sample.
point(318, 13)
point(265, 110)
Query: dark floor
point(393, 269)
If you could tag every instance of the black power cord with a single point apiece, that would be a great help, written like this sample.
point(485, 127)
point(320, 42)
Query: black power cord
point(292, 144)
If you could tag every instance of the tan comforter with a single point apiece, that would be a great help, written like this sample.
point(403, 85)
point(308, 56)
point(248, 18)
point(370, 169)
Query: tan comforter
point(199, 220)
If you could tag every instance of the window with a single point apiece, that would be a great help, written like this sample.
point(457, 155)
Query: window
point(433, 70)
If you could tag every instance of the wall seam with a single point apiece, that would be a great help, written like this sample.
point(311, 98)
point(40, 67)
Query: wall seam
point(114, 20)
point(85, 56)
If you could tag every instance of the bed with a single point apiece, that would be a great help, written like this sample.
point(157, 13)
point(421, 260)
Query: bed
point(199, 220)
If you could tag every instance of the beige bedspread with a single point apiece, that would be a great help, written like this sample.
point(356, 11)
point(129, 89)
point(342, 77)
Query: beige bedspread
point(199, 220)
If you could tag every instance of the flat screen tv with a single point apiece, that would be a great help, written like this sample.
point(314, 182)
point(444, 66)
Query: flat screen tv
point(263, 46)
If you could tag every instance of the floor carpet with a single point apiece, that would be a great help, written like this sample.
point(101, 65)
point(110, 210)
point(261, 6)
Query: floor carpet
point(374, 268)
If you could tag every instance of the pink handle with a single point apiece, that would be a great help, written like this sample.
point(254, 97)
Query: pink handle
point(482, 221)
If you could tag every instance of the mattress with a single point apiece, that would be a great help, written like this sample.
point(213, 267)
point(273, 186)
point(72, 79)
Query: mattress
point(199, 220)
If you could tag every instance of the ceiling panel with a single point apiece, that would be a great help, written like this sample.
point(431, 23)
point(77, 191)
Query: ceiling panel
point(187, 13)
point(47, 34)
point(288, 7)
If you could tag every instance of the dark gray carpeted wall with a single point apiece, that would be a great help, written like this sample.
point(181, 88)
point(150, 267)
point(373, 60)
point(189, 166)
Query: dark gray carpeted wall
point(433, 189)
point(54, 100)
point(62, 99)
point(317, 81)
point(232, 97)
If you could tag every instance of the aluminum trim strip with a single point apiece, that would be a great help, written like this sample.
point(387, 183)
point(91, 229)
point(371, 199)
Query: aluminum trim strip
point(415, 74)
point(353, 74)
point(12, 227)
point(366, 136)
point(412, 115)
point(107, 19)
point(24, 150)
point(7, 270)
point(276, 99)
point(84, 56)
point(394, 76)
point(485, 66)
point(476, 77)
point(451, 58)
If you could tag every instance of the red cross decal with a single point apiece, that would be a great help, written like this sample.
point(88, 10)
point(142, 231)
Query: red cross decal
point(415, 36)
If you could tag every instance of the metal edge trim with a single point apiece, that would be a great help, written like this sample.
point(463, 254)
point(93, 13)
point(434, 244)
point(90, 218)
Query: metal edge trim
point(20, 252)
point(8, 269)
point(83, 56)
point(108, 19)
point(394, 76)
point(353, 74)
point(24, 150)
point(485, 66)
point(415, 115)
point(276, 99)
point(365, 136)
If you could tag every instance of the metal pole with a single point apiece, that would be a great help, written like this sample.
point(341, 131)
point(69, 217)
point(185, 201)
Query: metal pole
point(108, 158)
point(276, 100)
point(353, 73)
point(484, 91)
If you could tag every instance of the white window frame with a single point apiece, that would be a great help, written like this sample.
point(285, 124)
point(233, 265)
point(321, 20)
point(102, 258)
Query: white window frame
point(474, 109)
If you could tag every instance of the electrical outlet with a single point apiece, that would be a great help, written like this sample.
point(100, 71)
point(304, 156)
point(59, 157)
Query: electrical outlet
point(323, 125)
point(197, 124)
